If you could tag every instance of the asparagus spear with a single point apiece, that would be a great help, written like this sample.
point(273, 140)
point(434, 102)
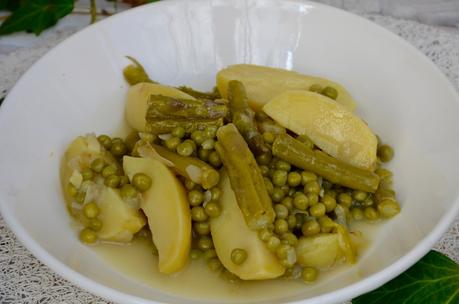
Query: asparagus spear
point(245, 177)
point(166, 126)
point(135, 73)
point(243, 117)
point(164, 107)
point(190, 167)
point(298, 154)
point(200, 95)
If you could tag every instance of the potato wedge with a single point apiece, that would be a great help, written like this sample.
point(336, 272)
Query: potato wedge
point(264, 83)
point(230, 231)
point(166, 207)
point(137, 101)
point(332, 127)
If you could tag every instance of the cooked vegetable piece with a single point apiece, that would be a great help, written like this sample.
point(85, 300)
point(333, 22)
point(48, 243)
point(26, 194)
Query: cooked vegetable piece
point(332, 127)
point(264, 83)
point(321, 251)
point(167, 125)
point(243, 117)
point(200, 95)
point(135, 73)
point(293, 151)
point(230, 231)
point(137, 101)
point(245, 176)
point(166, 207)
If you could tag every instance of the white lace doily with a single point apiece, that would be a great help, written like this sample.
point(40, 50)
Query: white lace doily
point(24, 279)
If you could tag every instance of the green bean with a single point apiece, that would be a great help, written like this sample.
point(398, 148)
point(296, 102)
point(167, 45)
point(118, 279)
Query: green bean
point(135, 73)
point(337, 172)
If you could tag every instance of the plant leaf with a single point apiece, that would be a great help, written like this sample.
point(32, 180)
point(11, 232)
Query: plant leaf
point(36, 16)
point(10, 5)
point(434, 279)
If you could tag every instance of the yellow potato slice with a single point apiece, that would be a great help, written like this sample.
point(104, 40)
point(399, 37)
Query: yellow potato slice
point(230, 231)
point(321, 251)
point(166, 207)
point(264, 83)
point(137, 101)
point(332, 127)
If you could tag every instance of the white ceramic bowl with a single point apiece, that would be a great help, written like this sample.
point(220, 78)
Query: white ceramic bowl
point(78, 88)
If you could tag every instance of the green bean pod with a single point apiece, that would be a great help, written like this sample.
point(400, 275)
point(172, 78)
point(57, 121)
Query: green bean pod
point(167, 125)
point(245, 177)
point(337, 172)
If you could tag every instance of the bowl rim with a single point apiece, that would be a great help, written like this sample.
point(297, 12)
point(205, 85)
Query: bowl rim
point(353, 290)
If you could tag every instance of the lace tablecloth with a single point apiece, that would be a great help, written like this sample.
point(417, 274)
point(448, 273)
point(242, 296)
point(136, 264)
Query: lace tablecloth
point(24, 279)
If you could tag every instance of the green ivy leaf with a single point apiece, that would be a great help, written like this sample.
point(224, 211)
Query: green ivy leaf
point(36, 16)
point(10, 5)
point(434, 279)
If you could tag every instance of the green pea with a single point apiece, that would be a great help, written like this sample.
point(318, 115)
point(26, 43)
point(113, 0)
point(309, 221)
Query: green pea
point(264, 234)
point(312, 198)
point(210, 132)
point(198, 214)
point(195, 254)
point(198, 137)
point(306, 141)
point(368, 201)
point(326, 224)
point(310, 228)
point(118, 149)
point(109, 170)
point(87, 174)
point(209, 254)
point(80, 197)
point(172, 143)
point(317, 210)
point(208, 144)
point(205, 243)
point(214, 159)
point(309, 274)
point(371, 213)
point(357, 214)
point(312, 187)
point(95, 224)
point(307, 177)
point(268, 137)
point(189, 184)
point(317, 88)
point(97, 165)
point(291, 220)
point(281, 211)
point(359, 195)
point(283, 165)
point(203, 154)
point(215, 193)
point(385, 153)
point(195, 197)
point(201, 228)
point(212, 209)
point(185, 149)
point(388, 208)
point(91, 210)
point(105, 141)
point(141, 182)
point(330, 92)
point(280, 226)
point(300, 201)
point(288, 203)
point(264, 159)
point(72, 190)
point(273, 242)
point(264, 170)
point(269, 186)
point(383, 173)
point(282, 251)
point(88, 236)
point(331, 193)
point(112, 181)
point(238, 256)
point(214, 264)
point(329, 202)
point(277, 195)
point(148, 137)
point(345, 199)
point(279, 178)
point(294, 179)
point(178, 132)
point(290, 238)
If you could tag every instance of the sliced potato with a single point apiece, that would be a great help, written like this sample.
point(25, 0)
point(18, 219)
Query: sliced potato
point(166, 207)
point(120, 220)
point(329, 125)
point(264, 83)
point(321, 251)
point(137, 101)
point(230, 231)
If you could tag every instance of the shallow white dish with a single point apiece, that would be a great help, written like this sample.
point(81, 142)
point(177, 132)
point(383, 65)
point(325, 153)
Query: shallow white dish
point(78, 88)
